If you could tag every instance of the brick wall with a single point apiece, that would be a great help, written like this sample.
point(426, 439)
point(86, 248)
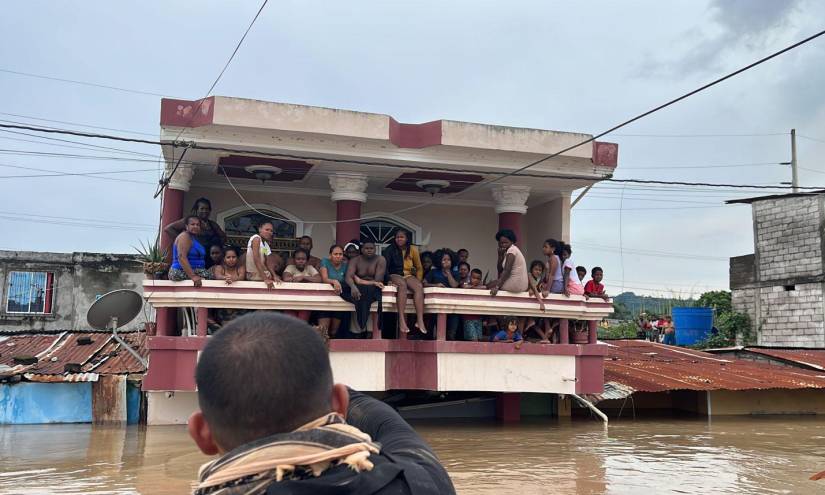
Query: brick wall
point(788, 238)
point(792, 318)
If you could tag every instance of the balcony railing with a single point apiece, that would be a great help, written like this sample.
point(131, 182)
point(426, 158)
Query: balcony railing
point(320, 297)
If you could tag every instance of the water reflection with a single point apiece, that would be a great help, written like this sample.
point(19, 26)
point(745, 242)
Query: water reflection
point(745, 455)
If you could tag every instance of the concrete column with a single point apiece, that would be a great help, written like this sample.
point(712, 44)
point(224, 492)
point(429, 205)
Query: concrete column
point(349, 191)
point(171, 211)
point(592, 331)
point(511, 205)
point(508, 407)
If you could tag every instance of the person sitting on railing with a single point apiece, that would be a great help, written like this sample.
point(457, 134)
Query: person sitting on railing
point(445, 277)
point(305, 243)
point(257, 252)
point(333, 272)
point(512, 270)
point(215, 256)
point(405, 271)
point(189, 255)
point(472, 323)
point(572, 284)
point(364, 283)
point(594, 286)
point(211, 233)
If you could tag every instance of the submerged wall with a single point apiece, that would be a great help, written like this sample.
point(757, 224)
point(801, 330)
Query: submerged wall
point(32, 403)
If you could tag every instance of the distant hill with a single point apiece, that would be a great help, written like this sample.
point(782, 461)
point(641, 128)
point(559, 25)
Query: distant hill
point(628, 305)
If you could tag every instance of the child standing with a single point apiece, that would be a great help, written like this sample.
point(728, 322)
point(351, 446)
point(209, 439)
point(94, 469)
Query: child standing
point(572, 284)
point(594, 287)
point(472, 323)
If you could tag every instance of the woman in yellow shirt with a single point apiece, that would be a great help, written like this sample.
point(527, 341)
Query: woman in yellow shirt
point(405, 271)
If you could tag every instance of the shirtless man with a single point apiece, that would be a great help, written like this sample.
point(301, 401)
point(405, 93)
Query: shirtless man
point(364, 282)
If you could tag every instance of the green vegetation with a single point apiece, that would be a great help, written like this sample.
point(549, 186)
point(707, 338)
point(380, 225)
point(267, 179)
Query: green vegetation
point(730, 323)
point(623, 330)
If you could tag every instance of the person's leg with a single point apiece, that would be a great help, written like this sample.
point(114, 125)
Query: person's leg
point(333, 325)
point(401, 301)
point(418, 299)
point(453, 321)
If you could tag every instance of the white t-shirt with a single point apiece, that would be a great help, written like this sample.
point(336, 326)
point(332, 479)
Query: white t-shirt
point(309, 270)
point(573, 277)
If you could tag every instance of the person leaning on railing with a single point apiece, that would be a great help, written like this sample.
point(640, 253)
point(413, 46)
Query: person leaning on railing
point(189, 255)
point(257, 252)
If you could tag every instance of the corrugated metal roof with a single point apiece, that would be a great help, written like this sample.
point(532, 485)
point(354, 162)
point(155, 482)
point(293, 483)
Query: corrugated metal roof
point(102, 355)
point(652, 367)
point(812, 358)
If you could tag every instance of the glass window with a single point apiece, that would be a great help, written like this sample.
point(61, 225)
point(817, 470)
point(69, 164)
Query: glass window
point(30, 292)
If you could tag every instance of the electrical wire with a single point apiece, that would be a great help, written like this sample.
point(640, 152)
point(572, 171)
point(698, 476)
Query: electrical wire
point(57, 173)
point(704, 135)
point(83, 83)
point(811, 138)
point(77, 124)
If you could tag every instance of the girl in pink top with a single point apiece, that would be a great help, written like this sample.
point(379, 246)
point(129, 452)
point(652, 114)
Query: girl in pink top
point(572, 284)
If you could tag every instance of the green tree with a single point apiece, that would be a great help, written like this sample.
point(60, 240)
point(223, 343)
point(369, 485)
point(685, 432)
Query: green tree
point(720, 300)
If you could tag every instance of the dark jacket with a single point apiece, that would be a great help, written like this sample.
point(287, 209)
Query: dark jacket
point(406, 464)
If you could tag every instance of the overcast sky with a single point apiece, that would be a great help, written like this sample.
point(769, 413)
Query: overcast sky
point(572, 66)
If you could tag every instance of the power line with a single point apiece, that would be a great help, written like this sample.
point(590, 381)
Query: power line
point(83, 83)
point(95, 220)
point(811, 138)
point(732, 165)
point(703, 135)
point(57, 173)
point(72, 123)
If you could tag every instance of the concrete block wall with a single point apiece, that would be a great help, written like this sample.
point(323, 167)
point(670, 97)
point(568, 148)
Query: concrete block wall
point(787, 237)
point(792, 318)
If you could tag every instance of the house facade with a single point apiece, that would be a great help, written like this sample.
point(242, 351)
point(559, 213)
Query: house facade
point(338, 175)
point(780, 285)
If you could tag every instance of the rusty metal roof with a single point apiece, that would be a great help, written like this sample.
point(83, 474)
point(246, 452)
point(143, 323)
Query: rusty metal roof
point(93, 354)
point(653, 367)
point(811, 358)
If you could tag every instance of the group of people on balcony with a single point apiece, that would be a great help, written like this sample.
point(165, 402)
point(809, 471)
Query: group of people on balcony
point(358, 273)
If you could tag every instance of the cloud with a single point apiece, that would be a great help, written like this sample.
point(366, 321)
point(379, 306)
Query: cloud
point(733, 24)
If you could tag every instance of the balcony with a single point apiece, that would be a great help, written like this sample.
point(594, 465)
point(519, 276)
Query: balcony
point(381, 364)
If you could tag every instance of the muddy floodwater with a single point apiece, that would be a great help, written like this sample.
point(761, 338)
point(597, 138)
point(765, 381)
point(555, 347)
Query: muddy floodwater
point(745, 455)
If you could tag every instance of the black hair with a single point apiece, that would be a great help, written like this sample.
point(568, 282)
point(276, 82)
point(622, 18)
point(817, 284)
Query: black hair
point(508, 320)
point(426, 254)
point(198, 201)
point(239, 405)
point(217, 246)
point(463, 249)
point(305, 237)
point(596, 269)
point(368, 241)
point(332, 248)
point(465, 264)
point(299, 250)
point(506, 233)
point(439, 255)
point(234, 249)
point(552, 243)
point(537, 263)
point(476, 270)
point(190, 217)
point(581, 269)
point(566, 248)
point(264, 223)
point(405, 251)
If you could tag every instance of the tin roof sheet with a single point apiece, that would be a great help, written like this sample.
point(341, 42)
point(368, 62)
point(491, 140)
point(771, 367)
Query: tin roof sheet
point(812, 358)
point(103, 355)
point(653, 367)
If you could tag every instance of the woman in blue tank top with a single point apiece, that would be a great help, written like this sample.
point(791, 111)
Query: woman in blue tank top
point(189, 255)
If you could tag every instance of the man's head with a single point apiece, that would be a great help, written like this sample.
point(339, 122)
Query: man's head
point(463, 255)
point(368, 249)
point(475, 276)
point(305, 243)
point(262, 374)
point(300, 257)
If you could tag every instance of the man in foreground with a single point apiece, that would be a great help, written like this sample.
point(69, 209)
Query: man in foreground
point(269, 408)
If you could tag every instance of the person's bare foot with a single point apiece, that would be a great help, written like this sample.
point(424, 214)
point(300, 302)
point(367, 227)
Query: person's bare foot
point(544, 341)
point(402, 326)
point(420, 326)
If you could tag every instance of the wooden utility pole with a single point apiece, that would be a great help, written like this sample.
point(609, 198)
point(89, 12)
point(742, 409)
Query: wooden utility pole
point(794, 176)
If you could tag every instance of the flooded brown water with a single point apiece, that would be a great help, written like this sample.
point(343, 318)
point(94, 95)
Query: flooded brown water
point(745, 455)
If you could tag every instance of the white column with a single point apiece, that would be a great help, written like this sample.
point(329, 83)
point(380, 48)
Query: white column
point(349, 190)
point(510, 198)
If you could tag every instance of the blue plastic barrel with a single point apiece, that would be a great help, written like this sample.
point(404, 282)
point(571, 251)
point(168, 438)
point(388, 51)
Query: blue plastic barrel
point(692, 324)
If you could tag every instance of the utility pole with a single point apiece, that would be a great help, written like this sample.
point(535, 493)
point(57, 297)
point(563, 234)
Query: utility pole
point(794, 176)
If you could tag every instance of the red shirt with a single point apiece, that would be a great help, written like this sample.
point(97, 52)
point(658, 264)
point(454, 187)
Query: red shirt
point(592, 287)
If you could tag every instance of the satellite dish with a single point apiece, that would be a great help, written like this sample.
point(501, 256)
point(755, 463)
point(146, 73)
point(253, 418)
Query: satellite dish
point(115, 308)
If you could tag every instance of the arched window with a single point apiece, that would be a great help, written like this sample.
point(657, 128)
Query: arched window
point(239, 227)
point(382, 231)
